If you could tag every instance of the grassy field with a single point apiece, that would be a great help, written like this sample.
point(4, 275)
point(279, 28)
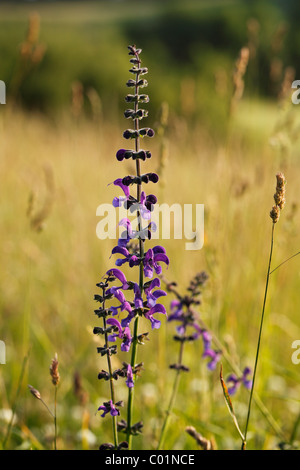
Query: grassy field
point(55, 170)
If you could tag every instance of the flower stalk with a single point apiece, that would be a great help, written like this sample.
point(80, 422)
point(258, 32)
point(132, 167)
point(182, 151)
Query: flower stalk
point(131, 246)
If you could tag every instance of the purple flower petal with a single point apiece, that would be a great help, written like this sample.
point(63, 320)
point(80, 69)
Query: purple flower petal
point(114, 322)
point(161, 257)
point(125, 189)
point(158, 249)
point(158, 308)
point(148, 271)
point(126, 321)
point(120, 250)
point(119, 275)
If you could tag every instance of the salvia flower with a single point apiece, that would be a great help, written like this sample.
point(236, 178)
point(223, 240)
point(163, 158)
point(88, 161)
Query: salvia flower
point(110, 407)
point(234, 382)
point(123, 333)
point(152, 257)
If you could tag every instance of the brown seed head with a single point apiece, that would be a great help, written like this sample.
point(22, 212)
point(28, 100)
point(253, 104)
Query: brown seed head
point(54, 371)
point(34, 392)
point(275, 214)
point(279, 197)
point(201, 441)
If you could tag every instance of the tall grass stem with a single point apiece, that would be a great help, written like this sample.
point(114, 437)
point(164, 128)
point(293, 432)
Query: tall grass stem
point(259, 338)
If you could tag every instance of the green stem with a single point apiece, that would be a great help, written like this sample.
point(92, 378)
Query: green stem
point(259, 339)
point(172, 400)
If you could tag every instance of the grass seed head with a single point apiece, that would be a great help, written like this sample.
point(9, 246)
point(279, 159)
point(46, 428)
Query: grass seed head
point(54, 371)
point(275, 214)
point(34, 392)
point(279, 197)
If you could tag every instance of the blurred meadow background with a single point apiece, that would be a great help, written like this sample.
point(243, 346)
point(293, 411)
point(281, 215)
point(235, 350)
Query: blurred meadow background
point(223, 130)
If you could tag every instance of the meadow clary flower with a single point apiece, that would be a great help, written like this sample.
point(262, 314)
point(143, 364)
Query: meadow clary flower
point(109, 407)
point(120, 276)
point(118, 294)
point(153, 296)
point(152, 257)
point(117, 201)
point(124, 334)
point(158, 308)
point(237, 381)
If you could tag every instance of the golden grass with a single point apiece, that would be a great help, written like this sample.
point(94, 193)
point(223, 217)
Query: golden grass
point(48, 276)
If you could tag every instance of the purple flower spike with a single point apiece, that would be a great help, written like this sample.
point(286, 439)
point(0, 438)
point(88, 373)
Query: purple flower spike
point(117, 309)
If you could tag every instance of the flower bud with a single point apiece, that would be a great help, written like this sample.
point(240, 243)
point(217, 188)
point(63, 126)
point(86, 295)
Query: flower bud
point(103, 375)
point(130, 134)
point(131, 82)
point(120, 154)
point(153, 177)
